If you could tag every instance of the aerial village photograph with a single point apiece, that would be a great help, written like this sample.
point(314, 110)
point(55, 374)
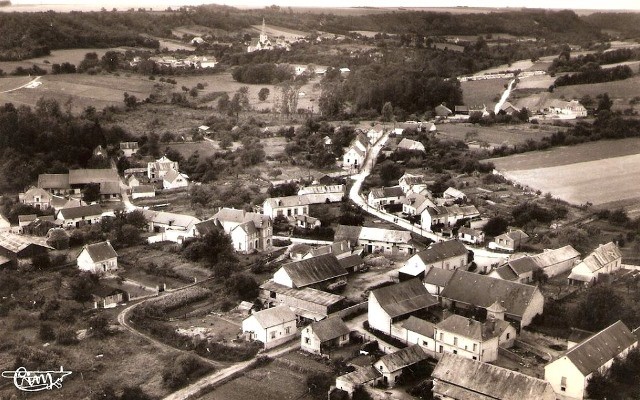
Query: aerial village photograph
point(338, 200)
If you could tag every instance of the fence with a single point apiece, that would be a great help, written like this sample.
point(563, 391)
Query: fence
point(531, 349)
point(352, 311)
point(509, 354)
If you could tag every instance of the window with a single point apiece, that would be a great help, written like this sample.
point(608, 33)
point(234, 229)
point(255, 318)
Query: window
point(272, 295)
point(307, 340)
point(475, 346)
point(273, 335)
point(563, 383)
point(441, 336)
point(508, 335)
point(287, 330)
point(455, 352)
point(455, 341)
point(474, 357)
point(424, 343)
point(440, 349)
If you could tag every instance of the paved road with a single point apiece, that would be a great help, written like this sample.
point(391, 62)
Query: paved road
point(36, 79)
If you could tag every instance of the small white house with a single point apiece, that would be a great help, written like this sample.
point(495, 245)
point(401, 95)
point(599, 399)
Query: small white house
point(605, 259)
point(174, 179)
point(320, 337)
point(98, 258)
point(142, 191)
point(129, 148)
point(75, 217)
point(272, 326)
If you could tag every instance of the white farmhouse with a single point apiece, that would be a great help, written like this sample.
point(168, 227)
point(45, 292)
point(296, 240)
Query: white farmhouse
point(98, 258)
point(272, 326)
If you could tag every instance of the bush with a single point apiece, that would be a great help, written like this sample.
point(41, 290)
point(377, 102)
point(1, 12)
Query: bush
point(66, 337)
point(46, 332)
point(185, 368)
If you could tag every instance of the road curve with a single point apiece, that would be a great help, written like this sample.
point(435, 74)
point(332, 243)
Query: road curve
point(36, 79)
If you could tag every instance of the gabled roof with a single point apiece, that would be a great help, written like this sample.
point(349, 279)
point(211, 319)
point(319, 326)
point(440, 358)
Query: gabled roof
point(483, 291)
point(384, 192)
point(337, 248)
point(523, 265)
point(347, 232)
point(207, 226)
point(321, 189)
point(171, 219)
point(248, 227)
point(314, 270)
point(287, 201)
point(143, 189)
point(442, 250)
point(442, 110)
point(514, 235)
point(384, 235)
point(110, 188)
point(420, 326)
point(410, 144)
point(351, 261)
point(84, 176)
point(555, 256)
point(455, 193)
point(411, 179)
point(470, 231)
point(80, 211)
point(240, 216)
point(462, 378)
point(33, 191)
point(438, 277)
point(101, 290)
point(128, 145)
point(505, 272)
point(606, 253)
point(16, 243)
point(330, 328)
point(26, 218)
point(100, 251)
point(360, 376)
point(53, 181)
point(403, 358)
point(305, 294)
point(376, 128)
point(472, 329)
point(403, 298)
point(274, 316)
point(597, 350)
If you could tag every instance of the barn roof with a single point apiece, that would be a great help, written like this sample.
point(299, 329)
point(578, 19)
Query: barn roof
point(403, 358)
point(274, 316)
point(414, 324)
point(442, 250)
point(84, 176)
point(53, 181)
point(438, 277)
point(100, 251)
point(80, 211)
point(403, 298)
point(330, 328)
point(384, 235)
point(314, 270)
point(305, 294)
point(16, 243)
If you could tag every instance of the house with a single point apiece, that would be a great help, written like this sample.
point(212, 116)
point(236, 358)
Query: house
point(75, 217)
point(391, 304)
point(391, 366)
point(272, 326)
point(143, 191)
point(308, 304)
point(159, 168)
point(352, 263)
point(339, 248)
point(420, 332)
point(110, 191)
point(509, 241)
point(105, 296)
point(454, 194)
point(551, 262)
point(509, 108)
point(442, 111)
point(99, 151)
point(318, 272)
point(170, 226)
point(322, 336)
point(472, 236)
point(461, 110)
point(569, 374)
point(129, 148)
point(307, 222)
point(457, 213)
point(55, 183)
point(412, 183)
point(249, 231)
point(473, 339)
point(174, 179)
point(379, 197)
point(15, 247)
point(450, 254)
point(436, 279)
point(467, 289)
point(288, 206)
point(36, 197)
point(98, 258)
point(398, 131)
point(348, 233)
point(411, 145)
point(460, 378)
point(605, 259)
point(262, 43)
point(567, 109)
point(387, 241)
point(354, 156)
point(415, 204)
point(375, 133)
point(357, 379)
point(517, 270)
point(433, 216)
point(80, 178)
point(24, 220)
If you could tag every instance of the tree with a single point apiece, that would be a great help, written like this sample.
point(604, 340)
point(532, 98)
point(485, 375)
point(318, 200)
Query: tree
point(58, 238)
point(604, 102)
point(99, 325)
point(41, 261)
point(495, 226)
point(598, 386)
point(387, 112)
point(263, 94)
point(136, 218)
point(390, 171)
point(91, 193)
point(46, 332)
point(82, 287)
point(601, 307)
point(243, 285)
point(130, 101)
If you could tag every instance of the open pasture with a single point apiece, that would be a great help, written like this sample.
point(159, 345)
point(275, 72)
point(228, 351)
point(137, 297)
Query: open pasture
point(536, 82)
point(278, 31)
point(495, 135)
point(486, 92)
point(73, 56)
point(598, 172)
point(10, 83)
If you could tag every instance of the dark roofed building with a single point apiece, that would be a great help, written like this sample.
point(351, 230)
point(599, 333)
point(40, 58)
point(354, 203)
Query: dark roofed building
point(321, 336)
point(460, 378)
point(105, 296)
point(314, 272)
point(466, 289)
point(16, 247)
point(347, 232)
point(54, 183)
point(397, 302)
point(74, 217)
point(392, 365)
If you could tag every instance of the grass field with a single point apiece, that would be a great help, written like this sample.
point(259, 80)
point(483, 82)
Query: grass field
point(204, 148)
point(13, 82)
point(486, 92)
point(278, 31)
point(619, 91)
point(599, 172)
point(496, 135)
point(73, 56)
point(536, 82)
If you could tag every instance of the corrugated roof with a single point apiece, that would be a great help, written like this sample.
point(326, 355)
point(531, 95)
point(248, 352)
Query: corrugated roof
point(442, 250)
point(403, 358)
point(438, 276)
point(597, 350)
point(100, 251)
point(53, 181)
point(81, 211)
point(483, 290)
point(84, 176)
point(314, 270)
point(274, 316)
point(384, 235)
point(330, 328)
point(462, 378)
point(414, 324)
point(404, 298)
point(360, 376)
point(305, 294)
point(16, 243)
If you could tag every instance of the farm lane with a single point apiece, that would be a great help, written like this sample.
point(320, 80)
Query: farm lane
point(31, 82)
point(355, 324)
point(196, 389)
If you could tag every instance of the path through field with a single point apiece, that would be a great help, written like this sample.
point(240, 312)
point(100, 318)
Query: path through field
point(35, 82)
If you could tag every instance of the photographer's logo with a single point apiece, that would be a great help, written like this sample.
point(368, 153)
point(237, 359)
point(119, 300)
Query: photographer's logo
point(35, 381)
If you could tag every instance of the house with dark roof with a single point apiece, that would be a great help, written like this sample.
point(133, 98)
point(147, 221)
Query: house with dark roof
point(322, 336)
point(55, 183)
point(249, 231)
point(436, 279)
point(570, 372)
point(307, 222)
point(460, 378)
point(80, 178)
point(288, 206)
point(432, 216)
point(316, 272)
point(450, 254)
point(357, 379)
point(75, 217)
point(420, 332)
point(307, 303)
point(518, 270)
point(442, 111)
point(110, 191)
point(467, 289)
point(40, 226)
point(383, 196)
point(143, 191)
point(98, 258)
point(392, 304)
point(391, 366)
point(272, 326)
point(106, 296)
point(509, 241)
point(15, 247)
point(605, 259)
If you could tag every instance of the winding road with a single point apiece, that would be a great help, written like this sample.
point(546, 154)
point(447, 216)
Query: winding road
point(31, 82)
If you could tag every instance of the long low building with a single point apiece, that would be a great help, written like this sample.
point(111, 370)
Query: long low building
point(307, 303)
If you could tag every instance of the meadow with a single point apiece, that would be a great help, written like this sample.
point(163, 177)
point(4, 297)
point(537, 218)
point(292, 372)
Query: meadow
point(485, 92)
point(73, 56)
point(494, 135)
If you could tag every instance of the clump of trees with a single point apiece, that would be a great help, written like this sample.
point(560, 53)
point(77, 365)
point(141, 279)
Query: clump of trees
point(619, 382)
point(263, 73)
point(593, 73)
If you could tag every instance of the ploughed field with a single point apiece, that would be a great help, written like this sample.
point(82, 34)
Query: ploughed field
point(599, 172)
